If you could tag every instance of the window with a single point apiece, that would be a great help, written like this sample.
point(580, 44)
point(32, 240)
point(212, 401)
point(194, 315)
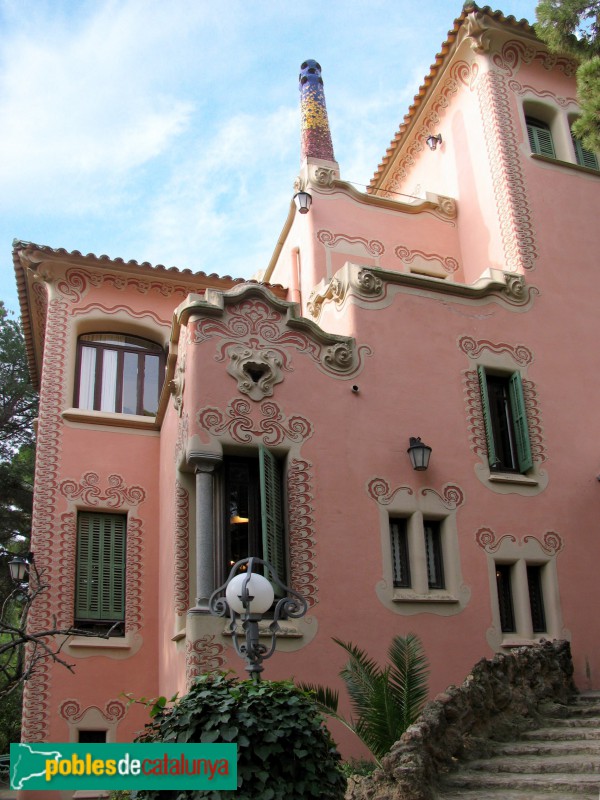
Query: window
point(533, 606)
point(505, 419)
point(429, 549)
point(540, 137)
point(585, 158)
point(91, 737)
point(253, 511)
point(117, 373)
point(100, 572)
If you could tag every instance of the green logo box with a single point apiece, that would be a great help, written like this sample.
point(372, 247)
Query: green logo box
point(123, 766)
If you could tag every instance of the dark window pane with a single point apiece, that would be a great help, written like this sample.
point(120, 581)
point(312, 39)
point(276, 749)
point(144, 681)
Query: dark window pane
point(536, 598)
point(505, 602)
point(433, 549)
point(151, 387)
point(502, 423)
point(92, 737)
point(399, 542)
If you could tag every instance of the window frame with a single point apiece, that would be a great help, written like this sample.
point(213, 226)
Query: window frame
point(539, 135)
point(153, 349)
point(103, 609)
point(520, 459)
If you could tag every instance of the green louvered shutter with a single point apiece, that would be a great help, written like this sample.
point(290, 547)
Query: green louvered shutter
point(517, 404)
point(100, 578)
point(540, 138)
point(487, 419)
point(586, 158)
point(273, 529)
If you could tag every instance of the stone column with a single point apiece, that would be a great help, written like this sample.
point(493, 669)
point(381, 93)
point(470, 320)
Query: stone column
point(204, 465)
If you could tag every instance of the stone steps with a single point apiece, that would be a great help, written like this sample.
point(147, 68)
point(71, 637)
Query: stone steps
point(560, 760)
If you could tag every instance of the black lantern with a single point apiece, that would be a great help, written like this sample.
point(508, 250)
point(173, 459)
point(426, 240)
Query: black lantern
point(303, 202)
point(19, 568)
point(419, 453)
point(433, 141)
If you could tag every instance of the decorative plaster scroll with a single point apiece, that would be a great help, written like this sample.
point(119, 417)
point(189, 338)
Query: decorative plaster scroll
point(362, 283)
point(256, 370)
point(516, 87)
point(71, 710)
point(451, 496)
point(134, 576)
point(177, 385)
point(324, 176)
point(447, 263)
point(473, 348)
point(116, 496)
point(461, 72)
point(551, 543)
point(515, 52)
point(83, 310)
point(534, 421)
point(257, 323)
point(203, 655)
point(477, 29)
point(273, 428)
point(504, 157)
point(36, 690)
point(76, 283)
point(329, 239)
point(380, 490)
point(303, 571)
point(486, 539)
point(181, 577)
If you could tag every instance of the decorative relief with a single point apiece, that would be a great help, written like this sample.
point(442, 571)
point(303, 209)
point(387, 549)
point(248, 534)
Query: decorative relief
point(514, 52)
point(447, 263)
point(116, 495)
point(476, 27)
point(77, 281)
point(509, 184)
point(71, 711)
point(301, 529)
point(551, 543)
point(324, 176)
point(273, 428)
point(476, 424)
point(177, 385)
point(258, 325)
point(473, 348)
point(516, 87)
point(350, 280)
point(451, 496)
point(182, 549)
point(134, 576)
point(256, 370)
point(203, 655)
point(380, 490)
point(36, 690)
point(329, 239)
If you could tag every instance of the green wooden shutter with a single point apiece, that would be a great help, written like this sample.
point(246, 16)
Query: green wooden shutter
point(273, 529)
point(540, 138)
point(586, 158)
point(487, 419)
point(517, 404)
point(100, 576)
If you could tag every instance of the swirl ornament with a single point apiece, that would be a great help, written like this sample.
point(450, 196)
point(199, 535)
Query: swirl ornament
point(71, 710)
point(451, 496)
point(203, 655)
point(447, 263)
point(473, 348)
point(181, 561)
point(379, 489)
point(486, 539)
point(551, 543)
point(303, 570)
point(273, 427)
point(373, 247)
point(116, 495)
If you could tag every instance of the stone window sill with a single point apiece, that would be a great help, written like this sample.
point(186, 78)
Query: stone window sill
point(512, 477)
point(567, 164)
point(409, 596)
point(110, 418)
point(114, 643)
point(521, 641)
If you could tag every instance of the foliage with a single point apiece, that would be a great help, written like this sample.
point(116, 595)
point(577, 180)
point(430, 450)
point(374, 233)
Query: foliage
point(360, 766)
point(573, 27)
point(284, 750)
point(18, 400)
point(385, 700)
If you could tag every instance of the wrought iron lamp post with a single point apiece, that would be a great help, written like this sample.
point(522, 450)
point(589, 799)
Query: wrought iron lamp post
point(248, 596)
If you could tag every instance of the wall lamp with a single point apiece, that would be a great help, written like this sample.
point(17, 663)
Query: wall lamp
point(303, 202)
point(19, 568)
point(419, 454)
point(433, 141)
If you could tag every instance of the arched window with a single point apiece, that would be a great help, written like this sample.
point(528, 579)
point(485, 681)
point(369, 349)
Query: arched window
point(118, 373)
point(540, 137)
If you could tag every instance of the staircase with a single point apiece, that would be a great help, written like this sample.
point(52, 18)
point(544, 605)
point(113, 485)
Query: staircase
point(559, 760)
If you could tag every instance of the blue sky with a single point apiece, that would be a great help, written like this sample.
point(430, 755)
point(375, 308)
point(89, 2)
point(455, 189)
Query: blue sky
point(168, 130)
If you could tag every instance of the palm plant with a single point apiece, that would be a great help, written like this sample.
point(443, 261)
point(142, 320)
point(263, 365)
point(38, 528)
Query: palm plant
point(385, 700)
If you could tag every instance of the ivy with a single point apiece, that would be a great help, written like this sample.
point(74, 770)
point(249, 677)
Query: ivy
point(284, 749)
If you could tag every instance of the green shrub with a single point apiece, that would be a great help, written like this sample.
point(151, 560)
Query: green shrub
point(284, 749)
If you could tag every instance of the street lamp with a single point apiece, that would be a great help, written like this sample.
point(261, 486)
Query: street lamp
point(18, 568)
point(248, 597)
point(419, 453)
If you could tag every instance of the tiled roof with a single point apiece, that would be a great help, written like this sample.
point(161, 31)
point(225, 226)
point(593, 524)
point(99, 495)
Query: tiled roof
point(521, 26)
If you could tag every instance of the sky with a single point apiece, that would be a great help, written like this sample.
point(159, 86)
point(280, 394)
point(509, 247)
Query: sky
point(168, 131)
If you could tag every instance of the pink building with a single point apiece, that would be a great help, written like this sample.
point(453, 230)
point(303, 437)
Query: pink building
point(449, 302)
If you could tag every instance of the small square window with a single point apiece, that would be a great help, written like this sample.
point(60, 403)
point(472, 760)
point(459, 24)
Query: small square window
point(92, 737)
point(400, 561)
